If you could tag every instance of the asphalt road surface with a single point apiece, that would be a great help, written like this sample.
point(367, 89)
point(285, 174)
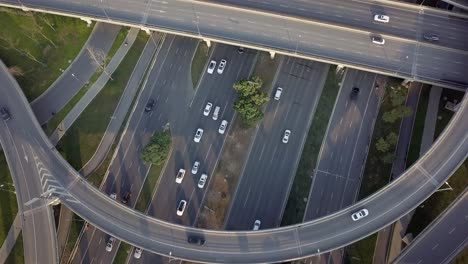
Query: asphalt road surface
point(217, 89)
point(318, 40)
point(270, 245)
point(76, 76)
point(265, 183)
point(127, 172)
point(29, 175)
point(343, 154)
point(441, 241)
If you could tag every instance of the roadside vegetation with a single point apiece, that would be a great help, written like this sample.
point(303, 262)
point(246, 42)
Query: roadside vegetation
point(199, 61)
point(251, 100)
point(149, 187)
point(297, 201)
point(37, 47)
point(444, 115)
point(81, 140)
point(418, 127)
point(155, 152)
point(228, 171)
point(75, 230)
point(361, 251)
point(8, 204)
point(55, 121)
point(17, 253)
point(122, 253)
point(386, 131)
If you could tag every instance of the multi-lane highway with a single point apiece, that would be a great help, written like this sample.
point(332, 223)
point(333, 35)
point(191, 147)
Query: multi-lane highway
point(270, 168)
point(321, 235)
point(29, 175)
point(312, 38)
point(340, 165)
point(216, 89)
point(441, 241)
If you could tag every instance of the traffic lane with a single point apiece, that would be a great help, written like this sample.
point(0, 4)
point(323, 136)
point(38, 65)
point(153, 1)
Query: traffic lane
point(333, 170)
point(127, 166)
point(270, 159)
point(410, 24)
point(431, 62)
point(220, 85)
point(445, 236)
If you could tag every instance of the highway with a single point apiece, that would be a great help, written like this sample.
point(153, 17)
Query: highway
point(271, 165)
point(273, 245)
point(318, 40)
point(343, 154)
point(217, 89)
point(30, 178)
point(443, 239)
point(76, 76)
point(126, 171)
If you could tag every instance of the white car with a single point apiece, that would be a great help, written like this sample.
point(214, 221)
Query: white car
point(113, 196)
point(202, 181)
point(257, 225)
point(198, 135)
point(286, 135)
point(211, 67)
point(216, 113)
point(181, 207)
point(221, 66)
point(222, 127)
point(195, 166)
point(381, 18)
point(207, 110)
point(110, 244)
point(360, 214)
point(137, 253)
point(180, 176)
point(278, 92)
point(378, 40)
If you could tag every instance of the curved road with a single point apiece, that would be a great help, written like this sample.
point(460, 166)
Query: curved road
point(316, 39)
point(270, 245)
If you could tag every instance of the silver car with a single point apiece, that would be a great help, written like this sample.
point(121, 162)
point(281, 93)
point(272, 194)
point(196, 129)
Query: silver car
point(221, 66)
point(202, 181)
point(195, 166)
point(222, 127)
point(211, 66)
point(198, 135)
point(381, 18)
point(286, 135)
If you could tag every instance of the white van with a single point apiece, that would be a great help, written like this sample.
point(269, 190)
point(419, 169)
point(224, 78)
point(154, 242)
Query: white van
point(278, 93)
point(216, 113)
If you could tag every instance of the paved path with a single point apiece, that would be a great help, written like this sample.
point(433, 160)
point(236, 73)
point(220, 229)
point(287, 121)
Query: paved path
point(431, 119)
point(10, 240)
point(77, 74)
point(95, 89)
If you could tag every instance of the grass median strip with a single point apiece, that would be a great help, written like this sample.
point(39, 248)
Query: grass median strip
point(17, 253)
point(122, 253)
point(8, 204)
point(361, 251)
point(228, 171)
point(81, 140)
point(418, 127)
point(297, 201)
point(37, 47)
point(198, 62)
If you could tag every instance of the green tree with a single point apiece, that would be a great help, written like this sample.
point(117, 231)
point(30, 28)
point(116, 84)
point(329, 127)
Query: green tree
point(392, 139)
point(388, 158)
point(397, 96)
point(382, 145)
point(157, 149)
point(250, 100)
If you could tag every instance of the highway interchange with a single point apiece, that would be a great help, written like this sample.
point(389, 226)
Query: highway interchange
point(172, 90)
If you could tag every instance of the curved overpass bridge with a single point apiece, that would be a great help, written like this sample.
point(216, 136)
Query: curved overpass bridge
point(345, 41)
point(265, 246)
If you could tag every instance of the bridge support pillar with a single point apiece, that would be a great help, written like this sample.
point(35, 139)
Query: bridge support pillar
point(272, 54)
point(147, 30)
point(24, 8)
point(208, 42)
point(87, 20)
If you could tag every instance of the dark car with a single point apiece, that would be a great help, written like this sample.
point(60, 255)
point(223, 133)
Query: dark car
point(196, 240)
point(149, 106)
point(431, 37)
point(354, 93)
point(126, 197)
point(240, 50)
point(5, 114)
